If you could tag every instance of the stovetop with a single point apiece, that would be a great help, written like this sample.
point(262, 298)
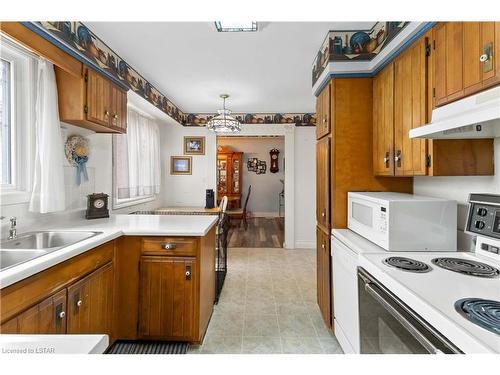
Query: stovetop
point(407, 264)
point(483, 312)
point(467, 267)
point(433, 294)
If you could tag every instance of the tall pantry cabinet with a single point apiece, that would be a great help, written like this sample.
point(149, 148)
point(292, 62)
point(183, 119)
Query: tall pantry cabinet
point(344, 162)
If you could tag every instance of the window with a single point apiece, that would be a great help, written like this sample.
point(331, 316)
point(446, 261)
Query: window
point(17, 107)
point(136, 161)
point(5, 123)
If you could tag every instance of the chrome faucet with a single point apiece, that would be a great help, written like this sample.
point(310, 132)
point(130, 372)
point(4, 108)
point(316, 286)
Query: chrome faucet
point(13, 230)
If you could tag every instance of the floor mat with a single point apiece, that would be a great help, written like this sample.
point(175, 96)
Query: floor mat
point(148, 347)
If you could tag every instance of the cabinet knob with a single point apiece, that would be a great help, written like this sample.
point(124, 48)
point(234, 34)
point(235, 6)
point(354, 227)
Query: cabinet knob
point(187, 273)
point(115, 116)
point(61, 315)
point(386, 159)
point(79, 303)
point(323, 214)
point(168, 246)
point(397, 157)
point(323, 246)
point(106, 113)
point(484, 57)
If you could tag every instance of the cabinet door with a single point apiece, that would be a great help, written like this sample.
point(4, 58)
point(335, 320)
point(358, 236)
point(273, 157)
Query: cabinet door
point(118, 113)
point(90, 302)
point(167, 297)
point(383, 122)
point(324, 276)
point(439, 71)
point(490, 48)
point(46, 317)
point(323, 183)
point(410, 100)
point(98, 98)
point(472, 53)
point(323, 125)
point(454, 60)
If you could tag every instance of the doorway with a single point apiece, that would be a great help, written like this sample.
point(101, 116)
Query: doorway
point(251, 173)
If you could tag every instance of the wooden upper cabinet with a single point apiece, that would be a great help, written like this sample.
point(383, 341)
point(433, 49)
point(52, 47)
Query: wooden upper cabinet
point(98, 105)
point(383, 122)
point(323, 103)
point(91, 101)
point(46, 317)
point(90, 303)
point(410, 99)
point(167, 291)
point(465, 59)
point(323, 183)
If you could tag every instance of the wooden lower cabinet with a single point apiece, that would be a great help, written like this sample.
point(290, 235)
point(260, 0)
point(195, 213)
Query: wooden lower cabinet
point(167, 296)
point(48, 316)
point(130, 288)
point(90, 303)
point(324, 263)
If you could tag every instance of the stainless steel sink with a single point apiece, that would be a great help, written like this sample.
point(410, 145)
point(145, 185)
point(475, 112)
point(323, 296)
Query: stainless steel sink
point(32, 245)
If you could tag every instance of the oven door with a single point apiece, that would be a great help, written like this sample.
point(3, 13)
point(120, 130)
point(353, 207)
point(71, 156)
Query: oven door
point(388, 326)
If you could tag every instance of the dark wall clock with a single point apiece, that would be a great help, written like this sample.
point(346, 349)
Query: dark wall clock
point(274, 168)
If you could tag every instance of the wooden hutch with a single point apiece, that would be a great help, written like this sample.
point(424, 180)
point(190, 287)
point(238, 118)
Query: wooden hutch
point(229, 175)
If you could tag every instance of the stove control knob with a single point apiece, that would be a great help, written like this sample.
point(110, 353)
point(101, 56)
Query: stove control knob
point(479, 224)
point(482, 211)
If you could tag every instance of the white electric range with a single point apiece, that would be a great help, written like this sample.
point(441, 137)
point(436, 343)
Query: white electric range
point(408, 303)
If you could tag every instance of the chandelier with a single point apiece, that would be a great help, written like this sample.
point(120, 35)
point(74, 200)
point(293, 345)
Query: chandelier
point(224, 122)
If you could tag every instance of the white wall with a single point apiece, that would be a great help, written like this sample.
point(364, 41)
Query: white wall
point(458, 188)
point(188, 190)
point(305, 187)
point(265, 187)
point(99, 168)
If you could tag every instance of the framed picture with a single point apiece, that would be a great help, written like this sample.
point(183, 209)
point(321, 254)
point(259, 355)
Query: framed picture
point(194, 145)
point(180, 165)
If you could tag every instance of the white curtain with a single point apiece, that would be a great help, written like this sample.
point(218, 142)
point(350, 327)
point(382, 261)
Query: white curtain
point(48, 194)
point(137, 158)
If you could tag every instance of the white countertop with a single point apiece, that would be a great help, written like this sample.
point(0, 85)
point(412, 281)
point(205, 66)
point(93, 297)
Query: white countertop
point(53, 344)
point(111, 228)
point(355, 242)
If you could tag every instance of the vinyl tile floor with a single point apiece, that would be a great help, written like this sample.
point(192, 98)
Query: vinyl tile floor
point(268, 305)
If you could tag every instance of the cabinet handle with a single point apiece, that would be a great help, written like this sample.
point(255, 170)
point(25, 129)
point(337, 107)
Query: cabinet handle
point(323, 246)
point(115, 116)
point(484, 57)
point(79, 303)
point(323, 214)
point(106, 113)
point(386, 159)
point(61, 315)
point(188, 273)
point(168, 246)
point(324, 120)
point(397, 158)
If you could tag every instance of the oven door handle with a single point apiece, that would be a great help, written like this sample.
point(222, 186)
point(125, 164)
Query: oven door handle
point(419, 336)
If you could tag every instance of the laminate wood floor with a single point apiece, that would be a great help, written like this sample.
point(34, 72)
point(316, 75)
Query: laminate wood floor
point(261, 232)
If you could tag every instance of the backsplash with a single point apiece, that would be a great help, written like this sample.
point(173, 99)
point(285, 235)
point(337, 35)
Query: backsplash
point(458, 188)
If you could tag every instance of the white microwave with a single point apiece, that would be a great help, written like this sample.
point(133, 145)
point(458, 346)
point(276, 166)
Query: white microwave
point(404, 222)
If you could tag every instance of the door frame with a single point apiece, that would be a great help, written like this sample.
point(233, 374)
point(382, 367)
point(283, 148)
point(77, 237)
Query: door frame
point(288, 132)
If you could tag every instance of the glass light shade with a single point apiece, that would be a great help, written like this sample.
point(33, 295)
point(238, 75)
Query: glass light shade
point(224, 122)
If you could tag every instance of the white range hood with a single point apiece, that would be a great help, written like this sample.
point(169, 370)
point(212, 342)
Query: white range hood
point(477, 116)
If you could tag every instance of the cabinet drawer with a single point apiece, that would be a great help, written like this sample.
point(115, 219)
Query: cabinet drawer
point(182, 246)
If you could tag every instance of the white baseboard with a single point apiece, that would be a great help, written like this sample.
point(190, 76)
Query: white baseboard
point(305, 244)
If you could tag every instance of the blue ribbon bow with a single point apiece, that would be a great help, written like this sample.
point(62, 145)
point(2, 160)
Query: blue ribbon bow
point(81, 168)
